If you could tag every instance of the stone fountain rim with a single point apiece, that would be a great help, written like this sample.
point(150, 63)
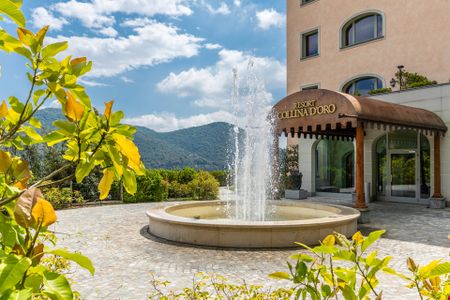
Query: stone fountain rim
point(343, 215)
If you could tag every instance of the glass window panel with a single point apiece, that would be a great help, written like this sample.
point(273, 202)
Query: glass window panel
point(335, 166)
point(403, 139)
point(364, 86)
point(312, 44)
point(425, 182)
point(403, 170)
point(365, 29)
point(379, 26)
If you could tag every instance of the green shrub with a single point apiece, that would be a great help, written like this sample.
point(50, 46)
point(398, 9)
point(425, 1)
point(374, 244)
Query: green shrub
point(63, 198)
point(220, 176)
point(151, 187)
point(179, 190)
point(205, 186)
point(186, 175)
point(380, 91)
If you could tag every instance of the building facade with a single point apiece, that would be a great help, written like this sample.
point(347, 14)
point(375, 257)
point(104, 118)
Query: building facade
point(355, 47)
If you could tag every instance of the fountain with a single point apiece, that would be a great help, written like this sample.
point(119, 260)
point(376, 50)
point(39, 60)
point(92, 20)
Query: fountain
point(247, 219)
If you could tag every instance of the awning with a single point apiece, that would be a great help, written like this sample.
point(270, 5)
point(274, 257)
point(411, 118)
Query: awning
point(328, 113)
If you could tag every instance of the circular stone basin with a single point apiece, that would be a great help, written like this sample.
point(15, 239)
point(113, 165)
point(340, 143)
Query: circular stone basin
point(206, 223)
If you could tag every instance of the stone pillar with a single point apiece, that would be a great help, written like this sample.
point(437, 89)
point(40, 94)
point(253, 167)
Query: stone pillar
point(437, 200)
point(360, 201)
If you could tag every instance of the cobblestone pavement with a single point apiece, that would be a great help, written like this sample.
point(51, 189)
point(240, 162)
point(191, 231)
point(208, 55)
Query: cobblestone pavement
point(115, 238)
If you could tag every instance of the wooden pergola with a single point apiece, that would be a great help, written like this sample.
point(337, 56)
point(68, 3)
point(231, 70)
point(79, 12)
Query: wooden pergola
point(324, 113)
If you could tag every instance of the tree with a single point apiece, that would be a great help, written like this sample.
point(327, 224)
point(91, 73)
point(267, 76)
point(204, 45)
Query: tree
point(90, 140)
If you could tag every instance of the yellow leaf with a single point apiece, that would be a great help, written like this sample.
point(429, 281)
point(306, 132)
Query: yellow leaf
point(43, 213)
point(108, 108)
point(329, 240)
point(73, 109)
point(25, 36)
point(105, 183)
point(358, 238)
point(129, 149)
point(77, 61)
point(3, 109)
point(5, 161)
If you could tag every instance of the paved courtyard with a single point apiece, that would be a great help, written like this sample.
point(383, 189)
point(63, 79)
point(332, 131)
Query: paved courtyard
point(115, 238)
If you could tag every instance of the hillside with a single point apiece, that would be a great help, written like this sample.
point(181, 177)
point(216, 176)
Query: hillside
point(203, 147)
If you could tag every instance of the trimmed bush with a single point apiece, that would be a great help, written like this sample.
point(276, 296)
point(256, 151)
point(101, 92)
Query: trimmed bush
point(63, 198)
point(204, 186)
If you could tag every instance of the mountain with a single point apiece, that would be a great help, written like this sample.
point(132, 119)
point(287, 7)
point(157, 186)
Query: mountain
point(203, 147)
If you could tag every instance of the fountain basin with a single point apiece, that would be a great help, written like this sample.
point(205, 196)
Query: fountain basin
point(205, 223)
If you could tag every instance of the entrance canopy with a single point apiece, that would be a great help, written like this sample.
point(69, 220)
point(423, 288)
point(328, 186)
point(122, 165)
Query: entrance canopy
point(328, 113)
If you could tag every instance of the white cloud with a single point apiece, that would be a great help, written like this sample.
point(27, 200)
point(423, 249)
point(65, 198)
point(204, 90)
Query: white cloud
point(152, 44)
point(165, 122)
point(41, 17)
point(211, 86)
point(223, 9)
point(137, 22)
point(88, 14)
point(270, 18)
point(109, 31)
point(92, 83)
point(237, 3)
point(126, 79)
point(210, 46)
point(97, 13)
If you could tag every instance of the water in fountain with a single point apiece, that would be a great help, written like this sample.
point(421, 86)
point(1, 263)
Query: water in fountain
point(251, 166)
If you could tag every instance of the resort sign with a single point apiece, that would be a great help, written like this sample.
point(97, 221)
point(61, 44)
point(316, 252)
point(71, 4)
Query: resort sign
point(307, 109)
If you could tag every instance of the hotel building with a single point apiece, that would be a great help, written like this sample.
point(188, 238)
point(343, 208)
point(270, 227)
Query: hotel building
point(383, 147)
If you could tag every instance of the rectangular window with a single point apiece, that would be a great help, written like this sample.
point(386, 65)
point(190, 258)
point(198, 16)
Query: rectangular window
point(310, 44)
point(310, 87)
point(303, 2)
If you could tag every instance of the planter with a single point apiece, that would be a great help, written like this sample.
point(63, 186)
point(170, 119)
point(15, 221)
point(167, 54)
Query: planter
point(437, 203)
point(296, 194)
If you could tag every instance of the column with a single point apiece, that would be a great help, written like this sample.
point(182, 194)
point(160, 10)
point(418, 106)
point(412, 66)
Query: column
point(360, 202)
point(437, 167)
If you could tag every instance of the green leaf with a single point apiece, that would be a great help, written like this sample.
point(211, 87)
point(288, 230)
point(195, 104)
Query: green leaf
point(25, 294)
point(12, 270)
point(83, 170)
point(129, 182)
point(280, 275)
point(13, 11)
point(372, 238)
point(53, 49)
point(78, 258)
point(67, 128)
point(301, 257)
point(56, 285)
point(54, 138)
point(35, 123)
point(80, 93)
point(441, 269)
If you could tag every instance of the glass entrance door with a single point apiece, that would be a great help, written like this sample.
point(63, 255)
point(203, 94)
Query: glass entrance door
point(403, 176)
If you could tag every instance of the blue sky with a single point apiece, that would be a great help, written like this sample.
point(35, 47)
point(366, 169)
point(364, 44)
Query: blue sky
point(167, 63)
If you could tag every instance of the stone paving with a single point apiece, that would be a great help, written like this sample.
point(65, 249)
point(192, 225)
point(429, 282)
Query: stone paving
point(115, 238)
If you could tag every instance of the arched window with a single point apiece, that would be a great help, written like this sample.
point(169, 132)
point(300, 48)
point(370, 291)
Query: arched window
point(362, 86)
point(363, 28)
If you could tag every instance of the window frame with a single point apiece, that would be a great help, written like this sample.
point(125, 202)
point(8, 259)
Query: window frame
point(353, 80)
point(307, 2)
point(312, 86)
point(303, 37)
point(350, 22)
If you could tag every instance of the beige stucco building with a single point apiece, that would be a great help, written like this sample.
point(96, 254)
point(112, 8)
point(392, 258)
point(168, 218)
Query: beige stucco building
point(412, 33)
point(354, 47)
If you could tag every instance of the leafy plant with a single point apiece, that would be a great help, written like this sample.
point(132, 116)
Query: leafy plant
point(62, 198)
point(380, 91)
point(216, 287)
point(89, 140)
point(343, 267)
